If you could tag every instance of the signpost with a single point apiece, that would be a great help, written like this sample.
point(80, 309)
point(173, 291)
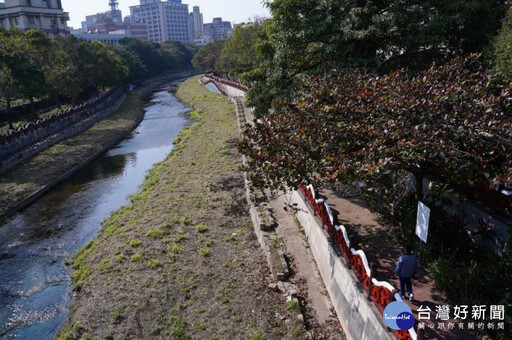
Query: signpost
point(422, 221)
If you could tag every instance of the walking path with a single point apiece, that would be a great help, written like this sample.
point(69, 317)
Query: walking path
point(382, 253)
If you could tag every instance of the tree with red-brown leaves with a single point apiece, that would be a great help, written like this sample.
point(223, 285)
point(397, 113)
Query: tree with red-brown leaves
point(451, 122)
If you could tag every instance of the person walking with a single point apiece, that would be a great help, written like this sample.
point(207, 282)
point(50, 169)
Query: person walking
point(405, 270)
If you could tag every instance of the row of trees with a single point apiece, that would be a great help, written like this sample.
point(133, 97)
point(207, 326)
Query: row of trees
point(34, 67)
point(373, 91)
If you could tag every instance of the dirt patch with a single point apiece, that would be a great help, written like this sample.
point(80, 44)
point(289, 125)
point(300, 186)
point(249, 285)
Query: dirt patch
point(182, 260)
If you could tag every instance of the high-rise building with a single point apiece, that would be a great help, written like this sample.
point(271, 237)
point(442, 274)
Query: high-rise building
point(46, 15)
point(166, 20)
point(196, 23)
point(218, 29)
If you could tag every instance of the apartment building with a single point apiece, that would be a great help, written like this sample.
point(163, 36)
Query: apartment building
point(166, 20)
point(196, 23)
point(46, 15)
point(218, 29)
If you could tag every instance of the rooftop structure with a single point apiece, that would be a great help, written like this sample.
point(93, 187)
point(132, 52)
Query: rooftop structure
point(46, 15)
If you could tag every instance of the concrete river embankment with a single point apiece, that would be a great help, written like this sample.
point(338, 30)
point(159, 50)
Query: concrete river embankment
point(37, 244)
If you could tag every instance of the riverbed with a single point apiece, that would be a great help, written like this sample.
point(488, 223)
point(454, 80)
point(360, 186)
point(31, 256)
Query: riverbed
point(37, 244)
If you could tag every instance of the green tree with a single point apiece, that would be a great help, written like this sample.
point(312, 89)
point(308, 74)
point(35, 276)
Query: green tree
point(177, 54)
point(449, 122)
point(9, 58)
point(322, 36)
point(59, 74)
point(207, 55)
point(239, 54)
point(31, 76)
point(137, 68)
point(148, 53)
point(503, 48)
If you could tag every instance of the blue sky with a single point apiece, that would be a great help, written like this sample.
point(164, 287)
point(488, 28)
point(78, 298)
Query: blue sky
point(232, 10)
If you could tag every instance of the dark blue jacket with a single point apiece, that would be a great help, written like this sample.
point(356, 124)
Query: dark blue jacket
point(407, 266)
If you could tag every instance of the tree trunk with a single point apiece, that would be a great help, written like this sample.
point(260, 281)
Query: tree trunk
point(9, 114)
point(419, 185)
point(32, 107)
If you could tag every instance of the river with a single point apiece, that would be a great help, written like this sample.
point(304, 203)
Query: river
point(36, 246)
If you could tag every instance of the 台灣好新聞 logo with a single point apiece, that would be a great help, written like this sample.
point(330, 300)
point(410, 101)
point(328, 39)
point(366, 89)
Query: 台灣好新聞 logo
point(398, 315)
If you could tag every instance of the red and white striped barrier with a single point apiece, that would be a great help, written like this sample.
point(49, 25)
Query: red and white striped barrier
point(381, 292)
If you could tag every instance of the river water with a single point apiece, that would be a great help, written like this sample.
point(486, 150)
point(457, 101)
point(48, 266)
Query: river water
point(37, 244)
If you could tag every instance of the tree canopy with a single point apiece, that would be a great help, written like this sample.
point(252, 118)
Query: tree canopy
point(32, 66)
point(207, 55)
point(452, 122)
point(321, 36)
point(503, 48)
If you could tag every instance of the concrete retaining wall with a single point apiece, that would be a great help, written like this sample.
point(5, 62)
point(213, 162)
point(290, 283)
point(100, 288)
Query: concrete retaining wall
point(39, 139)
point(358, 316)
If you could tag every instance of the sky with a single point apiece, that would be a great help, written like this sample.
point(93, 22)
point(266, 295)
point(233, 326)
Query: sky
point(236, 11)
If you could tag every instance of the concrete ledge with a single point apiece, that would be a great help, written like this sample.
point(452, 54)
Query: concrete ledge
point(358, 316)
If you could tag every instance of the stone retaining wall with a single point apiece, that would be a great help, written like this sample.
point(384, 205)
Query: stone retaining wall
point(43, 134)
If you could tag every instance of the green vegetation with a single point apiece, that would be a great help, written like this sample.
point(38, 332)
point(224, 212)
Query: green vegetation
point(204, 252)
point(258, 336)
point(175, 249)
point(20, 182)
point(117, 317)
point(293, 305)
point(155, 233)
point(137, 257)
point(202, 228)
point(503, 48)
point(81, 270)
point(178, 238)
point(135, 243)
point(207, 55)
point(153, 264)
point(34, 67)
point(77, 331)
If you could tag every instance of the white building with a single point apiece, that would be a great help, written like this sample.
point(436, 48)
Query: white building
point(166, 20)
point(196, 23)
point(111, 38)
point(218, 29)
point(46, 15)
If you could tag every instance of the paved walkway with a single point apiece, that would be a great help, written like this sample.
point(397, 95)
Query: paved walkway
point(382, 253)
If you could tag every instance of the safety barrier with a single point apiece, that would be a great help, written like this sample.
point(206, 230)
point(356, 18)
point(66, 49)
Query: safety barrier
point(231, 83)
point(217, 85)
point(381, 292)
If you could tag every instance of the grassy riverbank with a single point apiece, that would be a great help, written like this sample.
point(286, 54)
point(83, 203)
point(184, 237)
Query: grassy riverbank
point(182, 260)
point(37, 172)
